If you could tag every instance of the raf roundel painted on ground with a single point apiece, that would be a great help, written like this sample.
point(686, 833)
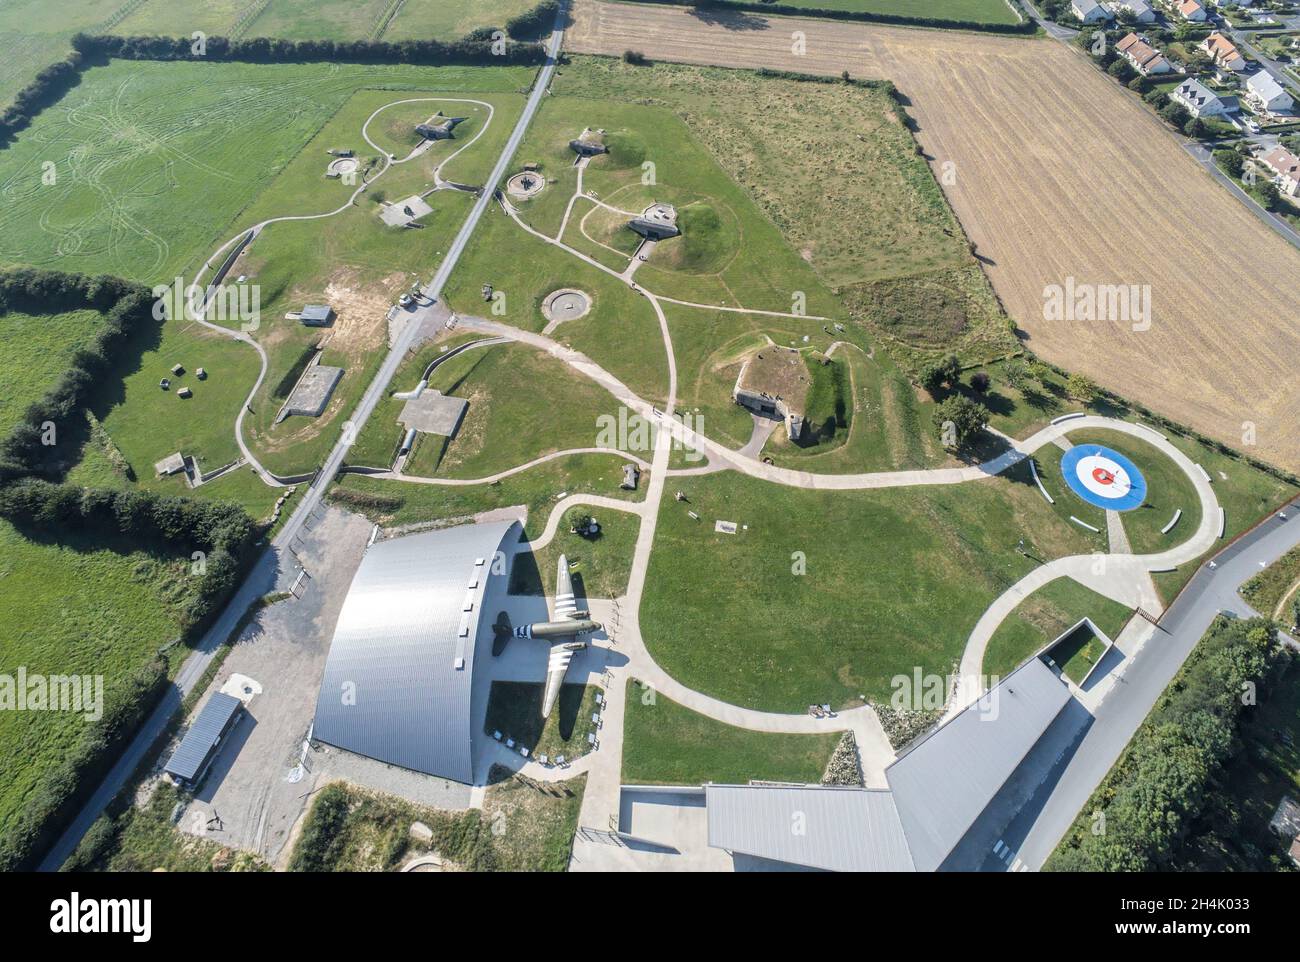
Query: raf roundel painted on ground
point(1103, 478)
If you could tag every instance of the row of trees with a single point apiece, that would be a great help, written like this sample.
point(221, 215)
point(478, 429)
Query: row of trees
point(1143, 811)
point(473, 50)
point(30, 449)
point(45, 89)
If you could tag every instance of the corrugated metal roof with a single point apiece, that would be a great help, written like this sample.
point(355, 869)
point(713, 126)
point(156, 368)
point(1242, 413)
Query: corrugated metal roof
point(399, 675)
point(944, 782)
point(192, 753)
point(837, 829)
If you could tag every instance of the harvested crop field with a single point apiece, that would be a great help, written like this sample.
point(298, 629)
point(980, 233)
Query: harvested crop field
point(1056, 173)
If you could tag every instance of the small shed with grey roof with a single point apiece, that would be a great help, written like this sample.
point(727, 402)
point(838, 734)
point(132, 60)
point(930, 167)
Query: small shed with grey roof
point(316, 315)
point(199, 746)
point(398, 681)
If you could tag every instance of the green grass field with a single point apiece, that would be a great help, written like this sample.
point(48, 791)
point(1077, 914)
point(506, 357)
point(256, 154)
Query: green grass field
point(867, 217)
point(537, 489)
point(779, 639)
point(74, 605)
point(449, 19)
point(667, 744)
point(1274, 586)
point(35, 350)
point(515, 710)
point(1044, 615)
point(144, 189)
point(600, 568)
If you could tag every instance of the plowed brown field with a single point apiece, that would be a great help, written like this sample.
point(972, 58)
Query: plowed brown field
point(1059, 173)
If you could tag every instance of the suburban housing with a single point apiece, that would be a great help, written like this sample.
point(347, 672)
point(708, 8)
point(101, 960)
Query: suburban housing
point(1267, 94)
point(1138, 51)
point(1286, 166)
point(1224, 53)
point(1201, 101)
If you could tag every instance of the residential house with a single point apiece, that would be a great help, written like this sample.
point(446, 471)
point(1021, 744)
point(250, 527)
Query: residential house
point(1192, 11)
point(1138, 51)
point(1224, 53)
point(1286, 166)
point(1267, 94)
point(1140, 9)
point(1201, 101)
point(1090, 11)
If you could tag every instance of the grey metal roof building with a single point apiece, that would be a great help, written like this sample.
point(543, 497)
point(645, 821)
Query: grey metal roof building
point(936, 790)
point(200, 742)
point(837, 829)
point(943, 783)
point(398, 681)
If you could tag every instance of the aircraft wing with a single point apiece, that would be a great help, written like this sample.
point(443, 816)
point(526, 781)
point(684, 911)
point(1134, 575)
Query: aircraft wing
point(566, 605)
point(556, 668)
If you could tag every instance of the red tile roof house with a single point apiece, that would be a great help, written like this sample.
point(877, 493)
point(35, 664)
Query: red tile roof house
point(1224, 53)
point(1286, 166)
point(1146, 58)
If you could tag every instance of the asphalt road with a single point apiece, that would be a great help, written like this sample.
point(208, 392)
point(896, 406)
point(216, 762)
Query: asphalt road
point(1203, 156)
point(278, 556)
point(1044, 820)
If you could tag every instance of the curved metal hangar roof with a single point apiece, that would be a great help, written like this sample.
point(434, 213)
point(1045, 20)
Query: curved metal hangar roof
point(399, 676)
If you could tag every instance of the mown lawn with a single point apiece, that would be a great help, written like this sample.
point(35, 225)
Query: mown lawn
point(537, 489)
point(1273, 586)
point(823, 596)
point(1044, 615)
point(600, 567)
point(515, 709)
point(665, 743)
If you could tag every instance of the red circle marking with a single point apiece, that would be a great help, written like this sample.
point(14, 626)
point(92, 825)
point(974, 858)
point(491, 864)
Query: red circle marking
point(1102, 476)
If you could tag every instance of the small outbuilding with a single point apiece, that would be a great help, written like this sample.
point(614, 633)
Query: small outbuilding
point(190, 762)
point(773, 383)
point(589, 143)
point(185, 393)
point(172, 464)
point(317, 315)
point(438, 127)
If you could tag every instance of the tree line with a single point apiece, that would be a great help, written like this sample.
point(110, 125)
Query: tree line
point(123, 308)
point(471, 50)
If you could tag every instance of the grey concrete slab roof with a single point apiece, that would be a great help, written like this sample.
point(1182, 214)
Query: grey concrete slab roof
point(398, 681)
point(192, 753)
point(836, 829)
point(946, 780)
point(434, 413)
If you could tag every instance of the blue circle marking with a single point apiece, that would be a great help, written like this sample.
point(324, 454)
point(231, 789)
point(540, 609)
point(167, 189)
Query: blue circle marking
point(1126, 496)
